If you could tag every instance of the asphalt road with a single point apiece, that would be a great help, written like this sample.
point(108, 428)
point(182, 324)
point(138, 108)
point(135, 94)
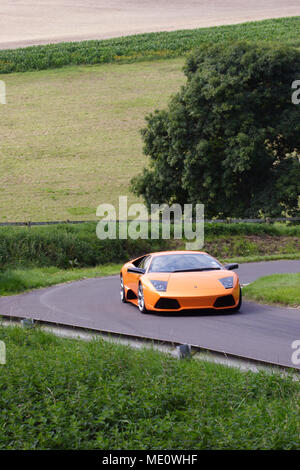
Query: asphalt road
point(257, 331)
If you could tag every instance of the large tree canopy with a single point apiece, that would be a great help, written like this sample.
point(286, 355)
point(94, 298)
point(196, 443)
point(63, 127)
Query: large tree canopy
point(230, 139)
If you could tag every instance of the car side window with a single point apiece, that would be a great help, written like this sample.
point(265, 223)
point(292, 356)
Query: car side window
point(138, 262)
point(147, 262)
point(144, 263)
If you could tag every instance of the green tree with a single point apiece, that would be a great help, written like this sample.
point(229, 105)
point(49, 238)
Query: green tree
point(230, 138)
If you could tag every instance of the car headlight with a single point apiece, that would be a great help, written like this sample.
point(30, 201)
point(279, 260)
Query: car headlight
point(160, 285)
point(227, 282)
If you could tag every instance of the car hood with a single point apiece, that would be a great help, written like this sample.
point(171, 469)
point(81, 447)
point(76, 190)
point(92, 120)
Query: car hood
point(195, 282)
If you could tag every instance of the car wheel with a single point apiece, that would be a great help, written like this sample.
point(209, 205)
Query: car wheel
point(122, 291)
point(141, 300)
point(236, 309)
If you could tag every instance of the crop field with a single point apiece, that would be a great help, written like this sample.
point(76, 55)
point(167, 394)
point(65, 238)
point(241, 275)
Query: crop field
point(24, 22)
point(145, 46)
point(70, 137)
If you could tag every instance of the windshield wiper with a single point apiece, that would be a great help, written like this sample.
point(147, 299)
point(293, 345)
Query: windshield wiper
point(193, 269)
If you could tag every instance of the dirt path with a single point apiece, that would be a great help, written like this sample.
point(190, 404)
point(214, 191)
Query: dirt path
point(27, 22)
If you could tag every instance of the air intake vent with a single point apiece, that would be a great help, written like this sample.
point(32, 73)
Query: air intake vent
point(225, 301)
point(167, 304)
point(131, 295)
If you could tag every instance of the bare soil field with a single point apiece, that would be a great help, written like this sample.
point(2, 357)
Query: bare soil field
point(31, 22)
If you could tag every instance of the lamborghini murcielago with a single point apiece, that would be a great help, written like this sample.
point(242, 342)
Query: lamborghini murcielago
point(180, 280)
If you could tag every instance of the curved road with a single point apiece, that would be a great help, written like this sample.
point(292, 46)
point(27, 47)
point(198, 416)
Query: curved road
point(257, 331)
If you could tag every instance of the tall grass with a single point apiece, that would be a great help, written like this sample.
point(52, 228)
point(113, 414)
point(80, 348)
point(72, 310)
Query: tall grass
point(66, 246)
point(144, 46)
point(59, 394)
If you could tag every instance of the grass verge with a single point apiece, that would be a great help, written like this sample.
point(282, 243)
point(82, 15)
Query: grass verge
point(281, 289)
point(15, 281)
point(67, 394)
point(22, 279)
point(145, 46)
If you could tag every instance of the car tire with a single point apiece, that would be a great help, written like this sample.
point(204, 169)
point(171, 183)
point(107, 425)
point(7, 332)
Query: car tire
point(141, 300)
point(237, 308)
point(122, 291)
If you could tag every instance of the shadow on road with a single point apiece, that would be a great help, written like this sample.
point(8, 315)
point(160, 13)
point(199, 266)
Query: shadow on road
point(195, 313)
point(188, 313)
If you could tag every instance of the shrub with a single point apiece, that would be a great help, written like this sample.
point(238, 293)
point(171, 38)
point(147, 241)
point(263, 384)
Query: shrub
point(66, 246)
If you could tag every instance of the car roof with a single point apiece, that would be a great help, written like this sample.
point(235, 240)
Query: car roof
point(177, 252)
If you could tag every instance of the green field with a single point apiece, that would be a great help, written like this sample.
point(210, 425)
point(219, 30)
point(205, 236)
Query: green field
point(59, 393)
point(70, 137)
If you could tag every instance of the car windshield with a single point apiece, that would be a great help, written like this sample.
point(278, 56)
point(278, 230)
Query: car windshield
point(183, 262)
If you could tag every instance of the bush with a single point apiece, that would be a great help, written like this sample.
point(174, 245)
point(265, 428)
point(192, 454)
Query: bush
point(66, 246)
point(247, 228)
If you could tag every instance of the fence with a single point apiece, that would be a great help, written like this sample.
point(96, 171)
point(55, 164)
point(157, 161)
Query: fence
point(216, 221)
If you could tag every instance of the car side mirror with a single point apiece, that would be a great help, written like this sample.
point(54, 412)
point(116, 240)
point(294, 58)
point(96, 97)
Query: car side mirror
point(136, 270)
point(231, 266)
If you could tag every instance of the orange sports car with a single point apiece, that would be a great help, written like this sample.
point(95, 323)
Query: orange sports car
point(180, 280)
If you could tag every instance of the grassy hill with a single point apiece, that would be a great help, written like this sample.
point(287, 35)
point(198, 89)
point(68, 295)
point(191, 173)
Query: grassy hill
point(70, 137)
